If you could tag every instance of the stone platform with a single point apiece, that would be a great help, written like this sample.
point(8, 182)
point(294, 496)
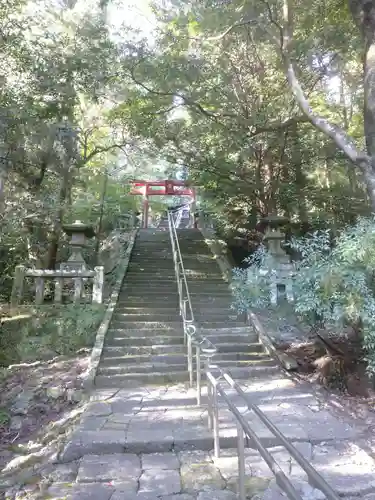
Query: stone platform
point(153, 443)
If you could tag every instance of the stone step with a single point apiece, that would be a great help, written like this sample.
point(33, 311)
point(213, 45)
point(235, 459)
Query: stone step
point(172, 364)
point(136, 266)
point(173, 358)
point(158, 378)
point(235, 338)
point(160, 308)
point(132, 301)
point(152, 316)
point(133, 380)
point(142, 290)
point(150, 254)
point(221, 319)
point(141, 368)
point(144, 341)
point(143, 332)
point(224, 341)
point(148, 276)
point(118, 333)
point(167, 286)
point(222, 324)
point(120, 351)
point(160, 265)
point(172, 300)
point(189, 263)
point(137, 287)
point(213, 279)
point(149, 325)
point(125, 310)
point(244, 328)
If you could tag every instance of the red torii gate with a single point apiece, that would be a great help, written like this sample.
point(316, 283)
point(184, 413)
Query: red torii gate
point(169, 187)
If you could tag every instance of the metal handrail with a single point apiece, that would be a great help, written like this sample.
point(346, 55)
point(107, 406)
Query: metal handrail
point(205, 347)
point(184, 297)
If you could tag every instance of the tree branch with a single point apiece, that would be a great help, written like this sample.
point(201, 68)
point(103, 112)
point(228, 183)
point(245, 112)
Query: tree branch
point(340, 138)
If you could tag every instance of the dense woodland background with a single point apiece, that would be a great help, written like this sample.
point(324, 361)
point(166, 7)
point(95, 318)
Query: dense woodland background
point(267, 106)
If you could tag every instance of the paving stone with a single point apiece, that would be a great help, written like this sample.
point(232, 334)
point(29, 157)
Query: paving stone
point(167, 461)
point(180, 496)
point(92, 423)
point(103, 394)
point(306, 492)
point(345, 466)
point(227, 463)
point(98, 409)
point(305, 449)
point(64, 472)
point(121, 418)
point(91, 442)
point(128, 406)
point(191, 457)
point(325, 426)
point(121, 468)
point(80, 492)
point(199, 476)
point(125, 495)
point(217, 495)
point(253, 485)
point(273, 492)
point(160, 482)
point(259, 467)
point(148, 440)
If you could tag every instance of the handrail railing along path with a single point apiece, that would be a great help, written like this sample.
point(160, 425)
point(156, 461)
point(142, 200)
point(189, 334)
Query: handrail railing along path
point(216, 376)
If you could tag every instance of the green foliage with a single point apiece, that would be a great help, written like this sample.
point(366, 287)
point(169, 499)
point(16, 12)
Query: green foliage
point(48, 331)
point(337, 286)
point(251, 286)
point(333, 283)
point(220, 106)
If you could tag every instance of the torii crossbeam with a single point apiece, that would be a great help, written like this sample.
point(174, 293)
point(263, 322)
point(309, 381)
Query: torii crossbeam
point(169, 187)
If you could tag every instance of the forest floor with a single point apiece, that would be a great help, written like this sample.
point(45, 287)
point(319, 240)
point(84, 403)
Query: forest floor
point(332, 361)
point(40, 403)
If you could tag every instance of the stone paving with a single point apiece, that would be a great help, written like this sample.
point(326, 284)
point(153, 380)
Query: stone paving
point(152, 443)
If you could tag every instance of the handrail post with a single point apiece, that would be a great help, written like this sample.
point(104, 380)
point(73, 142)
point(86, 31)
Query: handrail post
point(190, 360)
point(209, 405)
point(208, 353)
point(215, 415)
point(241, 462)
point(199, 374)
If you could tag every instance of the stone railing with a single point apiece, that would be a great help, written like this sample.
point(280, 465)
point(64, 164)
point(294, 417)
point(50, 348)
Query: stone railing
point(59, 277)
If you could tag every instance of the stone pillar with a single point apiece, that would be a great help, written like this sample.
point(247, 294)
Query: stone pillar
point(145, 212)
point(79, 233)
point(281, 274)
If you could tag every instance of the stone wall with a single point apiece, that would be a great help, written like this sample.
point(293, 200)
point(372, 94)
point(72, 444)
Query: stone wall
point(112, 250)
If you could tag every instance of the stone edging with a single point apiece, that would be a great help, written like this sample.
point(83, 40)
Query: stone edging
point(96, 352)
point(287, 362)
point(218, 249)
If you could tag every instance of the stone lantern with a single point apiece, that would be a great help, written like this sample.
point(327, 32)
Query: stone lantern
point(283, 269)
point(79, 234)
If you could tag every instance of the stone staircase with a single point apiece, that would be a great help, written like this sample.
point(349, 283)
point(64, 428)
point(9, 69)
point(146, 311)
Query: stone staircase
point(151, 441)
point(144, 343)
point(239, 349)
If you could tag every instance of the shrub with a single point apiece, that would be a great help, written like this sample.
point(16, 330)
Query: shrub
point(251, 286)
point(337, 286)
point(332, 285)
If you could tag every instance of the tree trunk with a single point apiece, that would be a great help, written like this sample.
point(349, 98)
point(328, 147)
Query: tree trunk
point(56, 230)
